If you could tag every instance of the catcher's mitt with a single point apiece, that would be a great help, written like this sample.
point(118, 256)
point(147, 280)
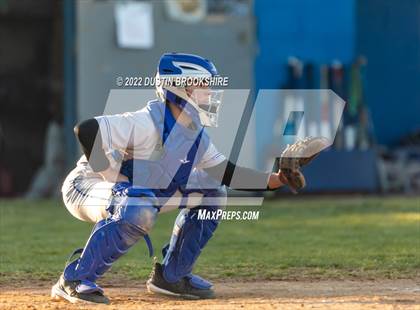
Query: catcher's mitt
point(297, 155)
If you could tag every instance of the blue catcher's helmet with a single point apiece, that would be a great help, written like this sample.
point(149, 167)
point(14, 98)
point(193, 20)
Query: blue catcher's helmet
point(183, 79)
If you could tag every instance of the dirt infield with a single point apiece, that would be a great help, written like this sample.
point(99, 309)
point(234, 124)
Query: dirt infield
point(346, 294)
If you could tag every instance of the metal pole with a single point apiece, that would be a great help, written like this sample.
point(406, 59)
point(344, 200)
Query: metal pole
point(69, 23)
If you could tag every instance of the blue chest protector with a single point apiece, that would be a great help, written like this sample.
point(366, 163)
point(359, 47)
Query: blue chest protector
point(181, 150)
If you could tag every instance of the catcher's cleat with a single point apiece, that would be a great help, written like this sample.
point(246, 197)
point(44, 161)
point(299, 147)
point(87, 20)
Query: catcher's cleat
point(78, 292)
point(189, 287)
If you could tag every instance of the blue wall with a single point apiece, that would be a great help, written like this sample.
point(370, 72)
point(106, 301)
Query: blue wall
point(388, 33)
point(317, 30)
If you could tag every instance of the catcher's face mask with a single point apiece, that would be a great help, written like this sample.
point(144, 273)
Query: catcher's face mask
point(207, 102)
point(204, 101)
point(188, 79)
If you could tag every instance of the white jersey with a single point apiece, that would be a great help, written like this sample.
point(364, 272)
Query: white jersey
point(135, 135)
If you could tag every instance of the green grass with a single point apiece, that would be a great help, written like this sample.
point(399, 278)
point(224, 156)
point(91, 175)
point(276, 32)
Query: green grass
point(294, 238)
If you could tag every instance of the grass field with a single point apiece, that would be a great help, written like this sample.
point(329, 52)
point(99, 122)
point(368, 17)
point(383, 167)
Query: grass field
point(294, 238)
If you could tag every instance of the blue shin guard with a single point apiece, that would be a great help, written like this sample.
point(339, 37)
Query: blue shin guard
point(189, 237)
point(112, 238)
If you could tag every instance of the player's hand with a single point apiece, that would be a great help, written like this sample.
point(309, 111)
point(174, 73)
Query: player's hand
point(297, 155)
point(276, 181)
point(295, 180)
point(112, 175)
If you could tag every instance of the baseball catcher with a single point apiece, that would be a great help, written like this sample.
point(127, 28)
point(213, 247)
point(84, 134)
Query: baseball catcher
point(133, 166)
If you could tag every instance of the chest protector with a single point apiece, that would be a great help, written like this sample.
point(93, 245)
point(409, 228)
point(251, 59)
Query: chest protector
point(172, 161)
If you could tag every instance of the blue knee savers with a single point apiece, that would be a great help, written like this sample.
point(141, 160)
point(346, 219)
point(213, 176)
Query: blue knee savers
point(133, 218)
point(189, 237)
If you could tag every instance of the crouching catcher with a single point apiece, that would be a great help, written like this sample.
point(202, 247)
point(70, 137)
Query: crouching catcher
point(138, 164)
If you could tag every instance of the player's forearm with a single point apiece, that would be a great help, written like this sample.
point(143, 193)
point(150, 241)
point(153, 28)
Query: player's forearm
point(250, 179)
point(89, 136)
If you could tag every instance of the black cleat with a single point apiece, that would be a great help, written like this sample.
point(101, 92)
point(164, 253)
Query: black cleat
point(64, 289)
point(182, 288)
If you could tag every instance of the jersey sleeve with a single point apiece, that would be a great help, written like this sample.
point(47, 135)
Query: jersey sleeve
point(115, 131)
point(126, 131)
point(212, 157)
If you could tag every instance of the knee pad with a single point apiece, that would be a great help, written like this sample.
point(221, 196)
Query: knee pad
point(189, 237)
point(138, 212)
point(112, 238)
point(215, 198)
